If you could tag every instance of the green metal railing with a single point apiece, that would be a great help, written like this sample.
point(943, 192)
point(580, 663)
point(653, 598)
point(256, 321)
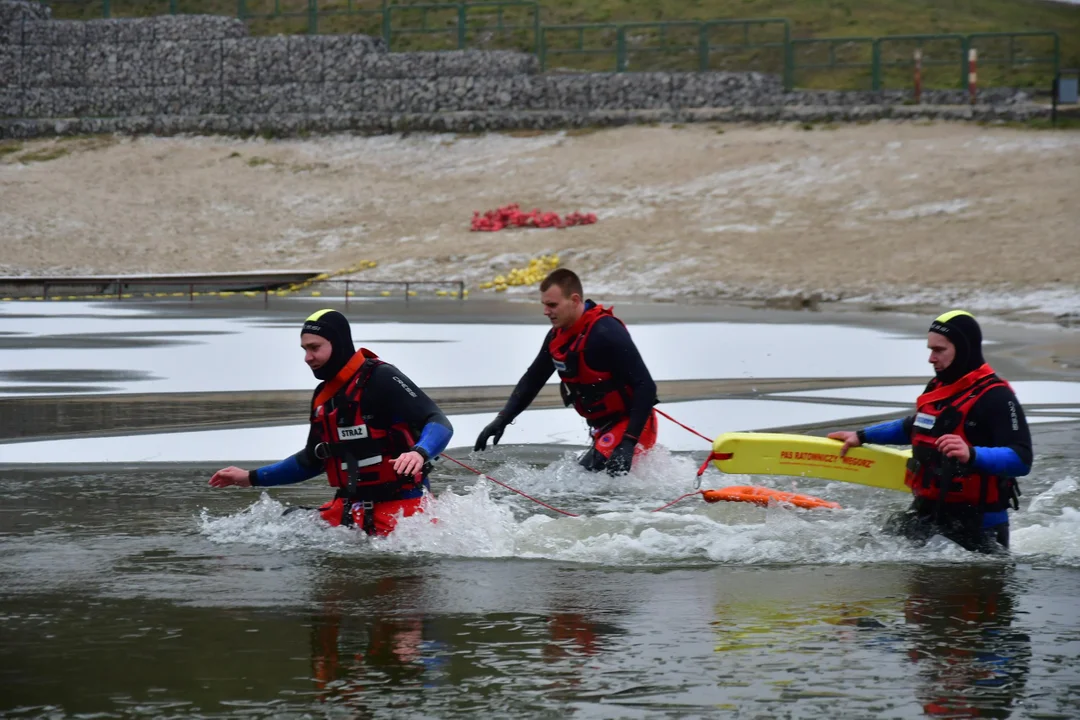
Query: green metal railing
point(452, 25)
point(835, 58)
point(888, 62)
point(1014, 58)
point(605, 49)
point(656, 46)
point(672, 46)
point(762, 44)
point(894, 56)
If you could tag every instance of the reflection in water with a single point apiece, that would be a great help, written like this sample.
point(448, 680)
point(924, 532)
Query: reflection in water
point(353, 653)
point(933, 641)
point(118, 598)
point(363, 659)
point(969, 660)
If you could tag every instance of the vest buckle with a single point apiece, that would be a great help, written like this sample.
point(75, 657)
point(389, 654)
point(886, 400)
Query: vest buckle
point(369, 516)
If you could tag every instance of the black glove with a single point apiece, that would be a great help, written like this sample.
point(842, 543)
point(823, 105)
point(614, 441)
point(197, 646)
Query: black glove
point(622, 457)
point(494, 431)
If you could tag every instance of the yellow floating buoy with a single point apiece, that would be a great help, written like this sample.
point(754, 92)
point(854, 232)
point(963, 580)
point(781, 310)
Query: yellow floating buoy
point(385, 293)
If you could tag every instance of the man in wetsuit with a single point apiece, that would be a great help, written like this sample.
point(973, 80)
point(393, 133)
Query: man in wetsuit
point(373, 432)
point(969, 441)
point(602, 373)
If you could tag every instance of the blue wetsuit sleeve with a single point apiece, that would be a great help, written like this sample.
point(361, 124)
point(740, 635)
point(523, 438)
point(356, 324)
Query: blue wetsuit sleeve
point(292, 469)
point(1001, 438)
point(999, 461)
point(892, 432)
point(435, 437)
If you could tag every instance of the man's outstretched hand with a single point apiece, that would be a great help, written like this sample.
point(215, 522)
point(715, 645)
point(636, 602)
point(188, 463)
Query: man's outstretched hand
point(230, 476)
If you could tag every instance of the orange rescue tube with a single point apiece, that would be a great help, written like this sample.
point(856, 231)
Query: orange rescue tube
point(762, 495)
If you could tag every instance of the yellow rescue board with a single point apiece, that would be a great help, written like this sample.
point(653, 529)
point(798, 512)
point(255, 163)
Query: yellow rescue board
point(808, 456)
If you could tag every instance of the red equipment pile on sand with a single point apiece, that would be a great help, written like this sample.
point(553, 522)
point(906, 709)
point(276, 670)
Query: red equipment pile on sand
point(512, 216)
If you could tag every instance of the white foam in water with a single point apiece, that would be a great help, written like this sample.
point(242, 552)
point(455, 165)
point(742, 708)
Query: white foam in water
point(619, 526)
point(1058, 537)
point(263, 523)
point(1054, 497)
point(471, 524)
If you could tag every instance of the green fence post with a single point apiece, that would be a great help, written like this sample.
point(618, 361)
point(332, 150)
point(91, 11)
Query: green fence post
point(386, 27)
point(313, 17)
point(542, 51)
point(1057, 53)
point(789, 58)
point(241, 9)
point(461, 28)
point(172, 7)
point(703, 47)
point(106, 9)
point(536, 32)
point(876, 65)
point(620, 49)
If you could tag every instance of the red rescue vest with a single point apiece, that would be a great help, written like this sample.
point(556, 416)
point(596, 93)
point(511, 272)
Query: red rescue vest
point(351, 446)
point(595, 394)
point(943, 410)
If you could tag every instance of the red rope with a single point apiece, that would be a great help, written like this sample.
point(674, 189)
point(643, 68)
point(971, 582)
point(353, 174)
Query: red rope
point(555, 509)
point(684, 427)
point(701, 471)
point(679, 499)
point(511, 489)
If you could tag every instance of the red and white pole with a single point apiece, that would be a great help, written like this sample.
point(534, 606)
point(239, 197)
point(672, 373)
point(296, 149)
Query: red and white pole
point(918, 76)
point(972, 56)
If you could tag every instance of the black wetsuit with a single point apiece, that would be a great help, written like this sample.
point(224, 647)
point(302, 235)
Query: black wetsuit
point(609, 348)
point(1001, 445)
point(394, 398)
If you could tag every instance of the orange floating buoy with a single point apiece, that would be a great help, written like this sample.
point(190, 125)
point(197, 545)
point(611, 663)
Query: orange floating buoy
point(762, 495)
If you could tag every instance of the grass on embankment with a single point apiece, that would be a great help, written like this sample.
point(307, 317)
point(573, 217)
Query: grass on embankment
point(809, 19)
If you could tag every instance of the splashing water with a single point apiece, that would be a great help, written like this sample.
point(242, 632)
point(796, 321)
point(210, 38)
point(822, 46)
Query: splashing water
point(618, 527)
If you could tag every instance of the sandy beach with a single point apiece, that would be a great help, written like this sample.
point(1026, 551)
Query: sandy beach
point(886, 213)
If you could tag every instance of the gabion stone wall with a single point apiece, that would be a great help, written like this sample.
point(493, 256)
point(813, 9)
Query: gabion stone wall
point(205, 74)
